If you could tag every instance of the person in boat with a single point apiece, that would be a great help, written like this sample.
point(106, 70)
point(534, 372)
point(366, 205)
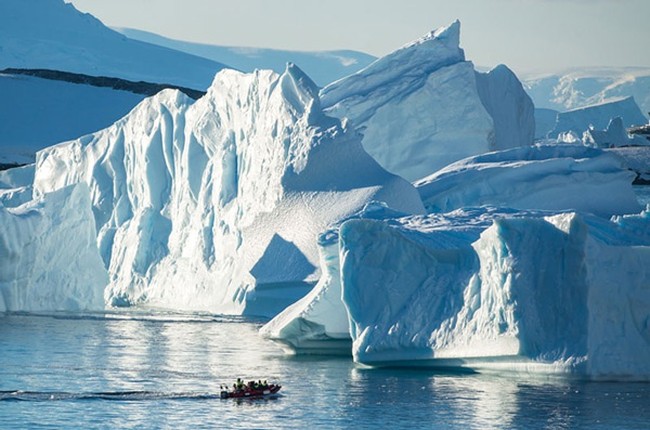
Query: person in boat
point(239, 385)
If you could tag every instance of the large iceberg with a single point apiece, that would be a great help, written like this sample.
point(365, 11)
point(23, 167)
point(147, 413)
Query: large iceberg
point(424, 106)
point(551, 177)
point(48, 254)
point(217, 204)
point(501, 290)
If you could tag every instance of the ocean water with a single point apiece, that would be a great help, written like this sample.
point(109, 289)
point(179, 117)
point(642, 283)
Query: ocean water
point(642, 194)
point(163, 370)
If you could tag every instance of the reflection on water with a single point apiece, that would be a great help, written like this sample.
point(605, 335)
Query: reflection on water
point(164, 370)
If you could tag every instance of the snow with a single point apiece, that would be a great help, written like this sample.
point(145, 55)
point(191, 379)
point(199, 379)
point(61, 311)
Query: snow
point(322, 66)
point(16, 185)
point(551, 177)
point(49, 258)
point(598, 116)
point(500, 289)
point(64, 111)
point(637, 159)
point(423, 106)
point(52, 34)
point(217, 204)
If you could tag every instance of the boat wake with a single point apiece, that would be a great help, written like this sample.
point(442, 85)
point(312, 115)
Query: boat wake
point(120, 396)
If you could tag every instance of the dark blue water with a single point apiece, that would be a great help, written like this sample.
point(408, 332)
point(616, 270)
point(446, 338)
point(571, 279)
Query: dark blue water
point(164, 371)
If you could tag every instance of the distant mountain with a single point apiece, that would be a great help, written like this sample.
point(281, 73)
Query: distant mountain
point(322, 67)
point(52, 34)
point(577, 88)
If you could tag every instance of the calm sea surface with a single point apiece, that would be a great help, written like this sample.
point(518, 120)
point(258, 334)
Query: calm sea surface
point(144, 370)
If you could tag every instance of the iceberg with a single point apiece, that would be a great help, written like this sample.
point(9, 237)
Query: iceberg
point(50, 260)
point(551, 177)
point(424, 106)
point(598, 116)
point(318, 323)
point(613, 137)
point(494, 290)
point(217, 204)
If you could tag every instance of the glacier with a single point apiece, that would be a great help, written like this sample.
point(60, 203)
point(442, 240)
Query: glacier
point(424, 106)
point(217, 204)
point(551, 177)
point(50, 260)
point(53, 35)
point(492, 290)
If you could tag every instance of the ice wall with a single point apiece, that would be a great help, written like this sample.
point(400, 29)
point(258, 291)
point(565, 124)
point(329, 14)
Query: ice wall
point(499, 290)
point(217, 205)
point(423, 106)
point(48, 254)
point(552, 177)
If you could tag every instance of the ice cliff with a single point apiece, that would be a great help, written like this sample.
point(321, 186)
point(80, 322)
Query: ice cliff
point(49, 254)
point(217, 204)
point(502, 290)
point(424, 106)
point(552, 177)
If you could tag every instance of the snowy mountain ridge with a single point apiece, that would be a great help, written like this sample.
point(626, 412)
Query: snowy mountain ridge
point(589, 86)
point(52, 34)
point(322, 66)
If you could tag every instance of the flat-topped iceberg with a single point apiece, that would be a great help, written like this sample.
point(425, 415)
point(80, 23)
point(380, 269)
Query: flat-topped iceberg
point(217, 204)
point(598, 116)
point(500, 290)
point(424, 106)
point(551, 177)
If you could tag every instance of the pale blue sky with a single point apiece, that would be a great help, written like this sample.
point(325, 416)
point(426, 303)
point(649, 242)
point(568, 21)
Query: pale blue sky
point(527, 35)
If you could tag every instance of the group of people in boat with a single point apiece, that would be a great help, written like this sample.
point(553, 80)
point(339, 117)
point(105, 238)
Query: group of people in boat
point(240, 386)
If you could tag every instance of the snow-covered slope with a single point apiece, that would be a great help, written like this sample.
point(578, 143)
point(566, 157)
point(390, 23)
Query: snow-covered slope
point(322, 66)
point(36, 113)
point(51, 34)
point(551, 177)
point(579, 120)
point(217, 204)
point(423, 106)
point(577, 88)
point(49, 254)
point(485, 289)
